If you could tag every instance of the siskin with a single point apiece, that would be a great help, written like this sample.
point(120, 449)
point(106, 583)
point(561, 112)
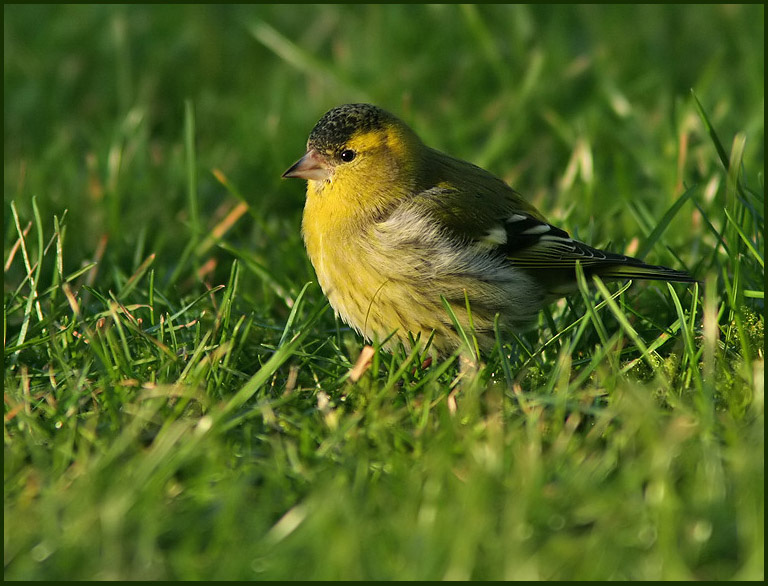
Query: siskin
point(393, 226)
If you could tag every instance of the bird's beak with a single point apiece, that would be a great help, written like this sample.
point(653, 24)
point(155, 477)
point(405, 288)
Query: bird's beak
point(310, 166)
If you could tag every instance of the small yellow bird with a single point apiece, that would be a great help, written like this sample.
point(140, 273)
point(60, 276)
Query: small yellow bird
point(393, 226)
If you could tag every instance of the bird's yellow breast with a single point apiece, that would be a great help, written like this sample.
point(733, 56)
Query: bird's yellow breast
point(360, 278)
point(353, 281)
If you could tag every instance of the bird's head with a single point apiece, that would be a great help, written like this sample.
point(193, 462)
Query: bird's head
point(361, 148)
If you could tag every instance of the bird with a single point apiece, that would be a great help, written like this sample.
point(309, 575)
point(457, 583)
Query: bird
point(396, 231)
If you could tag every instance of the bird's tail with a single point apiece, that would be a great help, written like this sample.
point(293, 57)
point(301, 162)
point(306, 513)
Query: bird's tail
point(632, 268)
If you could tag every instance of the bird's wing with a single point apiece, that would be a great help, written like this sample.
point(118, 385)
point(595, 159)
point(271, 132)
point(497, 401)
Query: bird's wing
point(505, 222)
point(539, 246)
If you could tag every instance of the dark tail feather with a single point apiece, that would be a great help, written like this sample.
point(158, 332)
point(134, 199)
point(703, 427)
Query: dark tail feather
point(630, 270)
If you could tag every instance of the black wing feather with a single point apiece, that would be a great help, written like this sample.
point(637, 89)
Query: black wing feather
point(540, 247)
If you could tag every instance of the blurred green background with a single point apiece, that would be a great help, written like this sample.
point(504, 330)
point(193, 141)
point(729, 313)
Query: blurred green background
point(586, 110)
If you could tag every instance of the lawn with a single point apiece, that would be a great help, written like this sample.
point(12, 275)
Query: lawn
point(180, 401)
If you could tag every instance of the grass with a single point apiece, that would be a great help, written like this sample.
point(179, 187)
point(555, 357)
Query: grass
point(180, 402)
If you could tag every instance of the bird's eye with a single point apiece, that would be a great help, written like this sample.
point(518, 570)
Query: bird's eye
point(347, 155)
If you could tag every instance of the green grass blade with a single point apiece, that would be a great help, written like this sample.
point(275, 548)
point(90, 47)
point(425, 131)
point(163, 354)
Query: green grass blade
point(745, 239)
point(664, 223)
point(191, 167)
point(302, 59)
point(721, 152)
point(281, 355)
point(626, 326)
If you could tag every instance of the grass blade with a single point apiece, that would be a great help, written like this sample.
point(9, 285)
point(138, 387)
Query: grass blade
point(664, 223)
